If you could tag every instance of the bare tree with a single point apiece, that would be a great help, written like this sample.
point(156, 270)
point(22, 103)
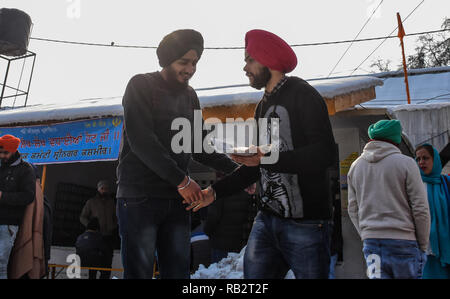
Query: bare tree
point(381, 65)
point(431, 51)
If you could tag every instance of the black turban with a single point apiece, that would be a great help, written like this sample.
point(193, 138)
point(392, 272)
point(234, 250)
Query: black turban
point(176, 44)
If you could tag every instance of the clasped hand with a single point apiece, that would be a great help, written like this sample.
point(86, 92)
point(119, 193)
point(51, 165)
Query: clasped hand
point(190, 190)
point(207, 199)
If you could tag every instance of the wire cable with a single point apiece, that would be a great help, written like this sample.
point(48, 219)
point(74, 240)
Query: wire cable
point(351, 44)
point(389, 36)
point(432, 137)
point(113, 45)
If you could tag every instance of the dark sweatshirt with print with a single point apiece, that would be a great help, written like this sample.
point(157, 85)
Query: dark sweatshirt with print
point(147, 164)
point(296, 185)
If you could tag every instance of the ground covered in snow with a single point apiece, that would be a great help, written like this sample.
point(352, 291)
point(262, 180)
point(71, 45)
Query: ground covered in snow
point(231, 267)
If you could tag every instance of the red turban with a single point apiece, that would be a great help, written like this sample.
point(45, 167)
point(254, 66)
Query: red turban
point(270, 50)
point(9, 143)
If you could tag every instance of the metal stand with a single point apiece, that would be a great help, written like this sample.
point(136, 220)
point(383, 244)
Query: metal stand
point(18, 91)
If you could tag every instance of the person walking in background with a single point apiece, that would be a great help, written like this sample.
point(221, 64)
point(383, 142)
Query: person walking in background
point(17, 191)
point(93, 250)
point(388, 206)
point(437, 186)
point(102, 206)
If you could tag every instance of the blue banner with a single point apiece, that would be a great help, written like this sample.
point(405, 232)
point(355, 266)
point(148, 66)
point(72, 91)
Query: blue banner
point(68, 142)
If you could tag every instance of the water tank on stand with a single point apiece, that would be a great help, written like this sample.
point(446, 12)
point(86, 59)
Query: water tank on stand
point(15, 26)
point(15, 29)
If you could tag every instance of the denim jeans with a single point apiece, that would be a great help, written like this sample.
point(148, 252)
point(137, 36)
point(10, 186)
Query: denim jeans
point(393, 259)
point(276, 245)
point(333, 262)
point(8, 234)
point(149, 224)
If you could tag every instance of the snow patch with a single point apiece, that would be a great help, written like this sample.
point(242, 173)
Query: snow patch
point(231, 267)
point(95, 108)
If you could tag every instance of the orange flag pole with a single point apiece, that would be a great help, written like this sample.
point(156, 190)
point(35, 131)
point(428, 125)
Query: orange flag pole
point(401, 34)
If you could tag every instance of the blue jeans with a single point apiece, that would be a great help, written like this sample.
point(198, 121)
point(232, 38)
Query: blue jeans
point(333, 262)
point(149, 224)
point(393, 259)
point(8, 234)
point(276, 245)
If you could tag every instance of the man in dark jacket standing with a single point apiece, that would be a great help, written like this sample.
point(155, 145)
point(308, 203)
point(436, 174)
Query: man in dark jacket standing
point(93, 249)
point(152, 176)
point(291, 229)
point(102, 207)
point(17, 190)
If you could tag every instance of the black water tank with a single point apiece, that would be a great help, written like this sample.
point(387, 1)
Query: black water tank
point(15, 26)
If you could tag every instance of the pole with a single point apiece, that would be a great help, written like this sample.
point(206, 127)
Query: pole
point(31, 77)
point(4, 83)
point(401, 34)
point(44, 176)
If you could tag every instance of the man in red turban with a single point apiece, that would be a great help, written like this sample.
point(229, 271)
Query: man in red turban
point(17, 190)
point(291, 230)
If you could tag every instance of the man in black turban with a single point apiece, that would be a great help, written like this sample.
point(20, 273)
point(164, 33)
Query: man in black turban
point(176, 44)
point(178, 54)
point(152, 175)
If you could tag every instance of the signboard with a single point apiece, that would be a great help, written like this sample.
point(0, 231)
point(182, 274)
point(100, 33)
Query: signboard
point(68, 142)
point(345, 168)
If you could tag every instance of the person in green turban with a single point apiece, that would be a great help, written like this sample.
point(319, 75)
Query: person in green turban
point(386, 130)
point(387, 203)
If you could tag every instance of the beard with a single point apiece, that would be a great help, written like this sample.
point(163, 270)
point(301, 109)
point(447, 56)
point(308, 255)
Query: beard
point(173, 82)
point(260, 80)
point(103, 195)
point(9, 160)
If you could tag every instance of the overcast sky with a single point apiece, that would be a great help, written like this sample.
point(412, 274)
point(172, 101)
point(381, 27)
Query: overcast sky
point(72, 72)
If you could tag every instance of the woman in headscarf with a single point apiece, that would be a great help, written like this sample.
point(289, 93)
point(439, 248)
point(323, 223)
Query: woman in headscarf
point(437, 185)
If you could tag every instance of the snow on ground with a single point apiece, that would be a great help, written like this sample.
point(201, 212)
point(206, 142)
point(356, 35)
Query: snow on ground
point(231, 267)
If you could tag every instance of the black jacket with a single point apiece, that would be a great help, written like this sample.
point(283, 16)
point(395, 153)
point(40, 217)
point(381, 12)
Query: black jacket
point(92, 249)
point(18, 186)
point(147, 164)
point(227, 222)
point(306, 163)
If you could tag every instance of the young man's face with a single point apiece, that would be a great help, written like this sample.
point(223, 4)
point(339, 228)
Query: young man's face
point(258, 74)
point(182, 70)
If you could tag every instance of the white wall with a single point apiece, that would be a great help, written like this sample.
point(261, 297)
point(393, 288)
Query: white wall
point(426, 125)
point(353, 266)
